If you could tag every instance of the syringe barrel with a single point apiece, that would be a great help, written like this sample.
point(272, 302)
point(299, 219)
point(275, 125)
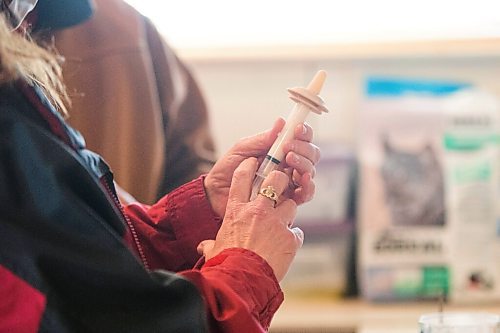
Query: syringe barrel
point(276, 153)
point(298, 115)
point(265, 168)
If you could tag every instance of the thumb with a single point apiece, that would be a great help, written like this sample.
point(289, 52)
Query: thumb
point(259, 144)
point(276, 129)
point(267, 138)
point(205, 247)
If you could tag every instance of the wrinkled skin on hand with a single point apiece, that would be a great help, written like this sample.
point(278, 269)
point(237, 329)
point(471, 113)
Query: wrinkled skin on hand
point(258, 225)
point(299, 163)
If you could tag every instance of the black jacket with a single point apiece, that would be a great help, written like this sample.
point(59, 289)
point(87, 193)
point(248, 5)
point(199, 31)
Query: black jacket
point(61, 232)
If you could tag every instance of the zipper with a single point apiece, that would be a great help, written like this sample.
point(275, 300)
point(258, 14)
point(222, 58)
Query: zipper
point(131, 227)
point(59, 128)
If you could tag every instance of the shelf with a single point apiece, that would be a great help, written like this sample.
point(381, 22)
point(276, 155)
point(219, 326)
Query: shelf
point(465, 48)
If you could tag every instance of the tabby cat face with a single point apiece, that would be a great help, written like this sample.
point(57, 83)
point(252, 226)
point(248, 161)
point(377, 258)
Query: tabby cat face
point(413, 185)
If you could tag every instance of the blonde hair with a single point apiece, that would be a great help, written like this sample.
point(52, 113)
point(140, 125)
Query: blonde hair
point(22, 58)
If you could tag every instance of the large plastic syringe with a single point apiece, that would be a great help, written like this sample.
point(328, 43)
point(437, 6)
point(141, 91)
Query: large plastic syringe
point(307, 99)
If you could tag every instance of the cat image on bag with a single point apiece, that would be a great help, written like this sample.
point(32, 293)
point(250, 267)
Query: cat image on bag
point(414, 187)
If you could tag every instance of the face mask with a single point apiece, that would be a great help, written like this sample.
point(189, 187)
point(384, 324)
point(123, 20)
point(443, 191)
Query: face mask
point(17, 10)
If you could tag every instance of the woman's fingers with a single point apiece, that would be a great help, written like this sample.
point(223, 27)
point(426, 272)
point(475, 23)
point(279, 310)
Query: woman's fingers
point(304, 149)
point(300, 164)
point(301, 154)
point(276, 183)
point(305, 190)
point(242, 181)
point(272, 188)
point(287, 211)
point(205, 247)
point(304, 132)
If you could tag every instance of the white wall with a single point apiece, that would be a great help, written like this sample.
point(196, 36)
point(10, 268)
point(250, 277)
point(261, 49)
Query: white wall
point(246, 95)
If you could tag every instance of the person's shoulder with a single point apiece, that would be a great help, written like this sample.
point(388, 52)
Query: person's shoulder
point(11, 105)
point(16, 110)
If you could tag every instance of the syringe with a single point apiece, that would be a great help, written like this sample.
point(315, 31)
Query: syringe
point(306, 99)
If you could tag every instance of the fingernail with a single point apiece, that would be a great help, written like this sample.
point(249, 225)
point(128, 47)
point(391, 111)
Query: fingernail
point(304, 129)
point(296, 158)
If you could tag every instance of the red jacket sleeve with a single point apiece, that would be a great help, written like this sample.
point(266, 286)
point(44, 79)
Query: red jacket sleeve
point(170, 230)
point(238, 286)
point(240, 291)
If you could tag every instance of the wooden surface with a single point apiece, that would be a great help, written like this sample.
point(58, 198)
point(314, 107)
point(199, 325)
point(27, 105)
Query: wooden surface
point(351, 316)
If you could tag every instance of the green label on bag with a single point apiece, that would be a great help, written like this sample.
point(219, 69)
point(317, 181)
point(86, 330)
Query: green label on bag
point(431, 282)
point(469, 142)
point(436, 281)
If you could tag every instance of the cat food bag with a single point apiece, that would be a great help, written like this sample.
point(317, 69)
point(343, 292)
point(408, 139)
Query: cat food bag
point(471, 194)
point(404, 244)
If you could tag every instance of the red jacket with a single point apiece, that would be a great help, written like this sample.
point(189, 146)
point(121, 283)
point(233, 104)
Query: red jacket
point(235, 282)
point(64, 261)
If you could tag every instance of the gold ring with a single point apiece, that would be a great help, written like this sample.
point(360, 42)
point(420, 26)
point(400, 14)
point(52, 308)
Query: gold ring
point(270, 193)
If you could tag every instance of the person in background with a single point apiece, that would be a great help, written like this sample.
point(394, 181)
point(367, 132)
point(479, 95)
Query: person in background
point(204, 258)
point(132, 97)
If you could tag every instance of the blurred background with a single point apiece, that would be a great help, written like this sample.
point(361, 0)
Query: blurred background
point(408, 197)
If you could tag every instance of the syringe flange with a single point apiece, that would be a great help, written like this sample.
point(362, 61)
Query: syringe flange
point(304, 96)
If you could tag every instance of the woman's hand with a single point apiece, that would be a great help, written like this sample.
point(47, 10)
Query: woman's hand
point(299, 162)
point(258, 225)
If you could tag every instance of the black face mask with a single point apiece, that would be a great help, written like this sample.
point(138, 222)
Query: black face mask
point(59, 14)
